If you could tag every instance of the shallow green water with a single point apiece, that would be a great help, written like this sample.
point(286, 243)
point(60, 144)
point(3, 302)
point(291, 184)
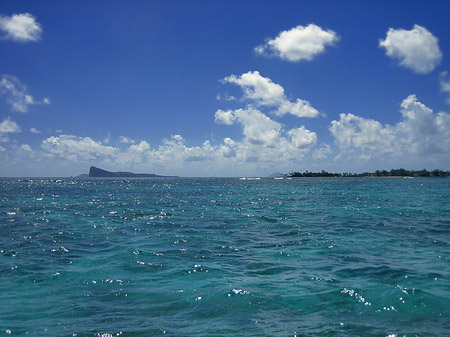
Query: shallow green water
point(225, 257)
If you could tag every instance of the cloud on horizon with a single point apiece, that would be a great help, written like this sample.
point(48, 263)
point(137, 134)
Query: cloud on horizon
point(419, 134)
point(73, 148)
point(266, 145)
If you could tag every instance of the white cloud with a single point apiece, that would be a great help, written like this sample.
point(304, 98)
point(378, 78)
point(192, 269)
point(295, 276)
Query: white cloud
point(445, 85)
point(416, 49)
point(225, 97)
point(224, 117)
point(366, 134)
point(264, 146)
point(135, 154)
point(173, 155)
point(422, 131)
point(263, 92)
point(228, 148)
point(74, 148)
point(299, 108)
point(259, 89)
point(421, 137)
point(322, 152)
point(16, 94)
point(20, 27)
point(126, 140)
point(302, 138)
point(299, 43)
point(141, 147)
point(419, 134)
point(258, 128)
point(8, 126)
point(264, 140)
point(26, 147)
point(107, 139)
point(35, 131)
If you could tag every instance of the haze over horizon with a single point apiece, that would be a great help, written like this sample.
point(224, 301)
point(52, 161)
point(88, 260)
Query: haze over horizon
point(217, 88)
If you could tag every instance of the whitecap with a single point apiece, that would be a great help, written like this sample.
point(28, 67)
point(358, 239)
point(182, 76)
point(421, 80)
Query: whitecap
point(240, 292)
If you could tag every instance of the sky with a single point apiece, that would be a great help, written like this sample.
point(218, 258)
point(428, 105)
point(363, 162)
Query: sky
point(223, 88)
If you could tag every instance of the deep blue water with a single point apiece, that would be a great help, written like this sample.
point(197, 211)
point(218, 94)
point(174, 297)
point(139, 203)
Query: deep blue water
point(225, 257)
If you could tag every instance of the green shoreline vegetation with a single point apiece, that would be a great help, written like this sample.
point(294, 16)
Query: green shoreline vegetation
point(378, 173)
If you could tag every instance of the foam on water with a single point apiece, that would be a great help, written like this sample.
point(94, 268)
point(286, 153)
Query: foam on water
point(228, 257)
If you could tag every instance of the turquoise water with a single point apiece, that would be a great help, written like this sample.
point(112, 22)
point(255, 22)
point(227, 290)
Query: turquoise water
point(225, 257)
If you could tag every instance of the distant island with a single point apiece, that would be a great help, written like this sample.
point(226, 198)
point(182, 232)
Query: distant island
point(383, 173)
point(95, 172)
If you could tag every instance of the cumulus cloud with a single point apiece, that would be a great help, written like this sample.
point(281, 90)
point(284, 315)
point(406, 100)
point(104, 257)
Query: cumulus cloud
point(322, 153)
point(302, 138)
point(35, 131)
point(258, 88)
point(224, 117)
point(8, 126)
point(352, 131)
point(257, 127)
point(134, 155)
point(74, 148)
point(266, 145)
point(299, 43)
point(20, 27)
point(416, 49)
point(419, 133)
point(264, 140)
point(445, 85)
point(16, 94)
point(176, 149)
point(265, 93)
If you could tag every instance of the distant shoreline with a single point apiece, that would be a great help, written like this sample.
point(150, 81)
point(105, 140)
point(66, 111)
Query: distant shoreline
point(393, 173)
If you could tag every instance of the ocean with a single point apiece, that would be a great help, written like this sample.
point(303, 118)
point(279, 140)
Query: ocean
point(225, 257)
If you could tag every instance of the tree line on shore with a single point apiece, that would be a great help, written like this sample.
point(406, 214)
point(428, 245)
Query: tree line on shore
point(378, 173)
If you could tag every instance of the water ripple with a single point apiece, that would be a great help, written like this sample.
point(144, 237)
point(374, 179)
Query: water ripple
point(224, 257)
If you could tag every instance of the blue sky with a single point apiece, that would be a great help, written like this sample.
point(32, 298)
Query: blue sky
point(223, 88)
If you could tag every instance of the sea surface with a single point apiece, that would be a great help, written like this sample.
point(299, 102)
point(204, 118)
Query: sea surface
point(225, 257)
